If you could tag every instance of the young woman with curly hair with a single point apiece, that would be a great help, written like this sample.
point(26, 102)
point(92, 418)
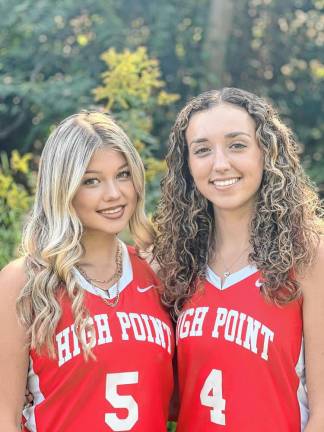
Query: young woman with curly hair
point(80, 314)
point(238, 245)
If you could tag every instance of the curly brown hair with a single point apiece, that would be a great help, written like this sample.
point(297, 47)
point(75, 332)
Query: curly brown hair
point(286, 223)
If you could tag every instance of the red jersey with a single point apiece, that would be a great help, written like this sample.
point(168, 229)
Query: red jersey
point(129, 385)
point(240, 359)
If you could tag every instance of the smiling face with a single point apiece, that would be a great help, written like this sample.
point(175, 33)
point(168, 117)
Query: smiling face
point(106, 198)
point(225, 159)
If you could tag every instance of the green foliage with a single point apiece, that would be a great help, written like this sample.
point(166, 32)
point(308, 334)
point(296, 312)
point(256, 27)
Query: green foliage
point(276, 50)
point(173, 32)
point(130, 79)
point(15, 198)
point(132, 89)
point(50, 58)
point(172, 427)
point(49, 63)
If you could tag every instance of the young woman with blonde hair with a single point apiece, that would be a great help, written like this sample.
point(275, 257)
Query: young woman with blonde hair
point(80, 311)
point(239, 250)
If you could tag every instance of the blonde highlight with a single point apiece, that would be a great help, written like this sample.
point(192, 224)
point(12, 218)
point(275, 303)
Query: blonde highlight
point(284, 230)
point(52, 237)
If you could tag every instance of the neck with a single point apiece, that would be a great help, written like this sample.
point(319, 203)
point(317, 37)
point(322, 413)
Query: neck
point(231, 245)
point(232, 230)
point(99, 249)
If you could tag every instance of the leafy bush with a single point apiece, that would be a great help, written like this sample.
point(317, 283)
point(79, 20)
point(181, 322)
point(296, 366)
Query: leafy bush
point(132, 90)
point(16, 189)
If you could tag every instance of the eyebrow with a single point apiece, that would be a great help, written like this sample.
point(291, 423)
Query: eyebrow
point(198, 140)
point(98, 172)
point(236, 133)
point(228, 135)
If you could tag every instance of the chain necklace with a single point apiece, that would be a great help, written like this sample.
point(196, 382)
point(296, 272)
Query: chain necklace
point(116, 276)
point(111, 303)
point(228, 268)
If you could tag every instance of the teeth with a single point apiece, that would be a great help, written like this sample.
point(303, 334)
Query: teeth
point(225, 182)
point(116, 210)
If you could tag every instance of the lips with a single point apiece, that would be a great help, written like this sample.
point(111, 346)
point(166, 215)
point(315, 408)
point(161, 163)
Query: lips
point(112, 212)
point(225, 182)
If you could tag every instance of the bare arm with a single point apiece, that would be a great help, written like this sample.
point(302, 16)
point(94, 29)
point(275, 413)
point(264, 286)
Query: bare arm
point(13, 353)
point(313, 316)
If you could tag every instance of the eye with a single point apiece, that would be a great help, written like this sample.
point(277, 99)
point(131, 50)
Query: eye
point(124, 174)
point(201, 150)
point(90, 181)
point(237, 146)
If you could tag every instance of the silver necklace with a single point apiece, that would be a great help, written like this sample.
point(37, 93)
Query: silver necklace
point(228, 268)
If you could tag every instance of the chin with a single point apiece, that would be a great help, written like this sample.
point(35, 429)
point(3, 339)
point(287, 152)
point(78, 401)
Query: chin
point(111, 230)
point(234, 206)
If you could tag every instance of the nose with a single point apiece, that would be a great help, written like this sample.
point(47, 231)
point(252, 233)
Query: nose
point(221, 161)
point(112, 191)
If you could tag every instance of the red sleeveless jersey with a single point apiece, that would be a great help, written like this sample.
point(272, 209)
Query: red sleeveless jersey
point(129, 385)
point(240, 359)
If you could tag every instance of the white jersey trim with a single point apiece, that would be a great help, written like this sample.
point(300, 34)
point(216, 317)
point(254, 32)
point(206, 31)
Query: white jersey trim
point(125, 279)
point(232, 279)
point(33, 387)
point(302, 391)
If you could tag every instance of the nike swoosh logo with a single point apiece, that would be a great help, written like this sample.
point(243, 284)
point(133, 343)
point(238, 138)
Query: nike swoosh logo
point(143, 290)
point(258, 284)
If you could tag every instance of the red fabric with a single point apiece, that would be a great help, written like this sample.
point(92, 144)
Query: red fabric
point(259, 394)
point(77, 395)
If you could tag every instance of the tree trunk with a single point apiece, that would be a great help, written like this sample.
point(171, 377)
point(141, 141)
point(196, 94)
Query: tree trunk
point(217, 34)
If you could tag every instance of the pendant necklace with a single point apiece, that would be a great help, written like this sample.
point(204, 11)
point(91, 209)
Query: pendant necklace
point(115, 277)
point(228, 268)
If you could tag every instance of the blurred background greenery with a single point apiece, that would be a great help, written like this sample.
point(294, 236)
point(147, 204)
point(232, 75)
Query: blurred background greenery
point(142, 60)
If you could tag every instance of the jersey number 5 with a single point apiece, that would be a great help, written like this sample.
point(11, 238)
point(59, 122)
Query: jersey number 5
point(211, 395)
point(113, 380)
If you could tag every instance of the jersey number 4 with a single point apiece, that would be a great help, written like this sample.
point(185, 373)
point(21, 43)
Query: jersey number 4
point(211, 395)
point(113, 381)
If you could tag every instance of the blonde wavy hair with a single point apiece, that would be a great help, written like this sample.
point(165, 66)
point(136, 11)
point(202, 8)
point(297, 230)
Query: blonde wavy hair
point(52, 237)
point(285, 227)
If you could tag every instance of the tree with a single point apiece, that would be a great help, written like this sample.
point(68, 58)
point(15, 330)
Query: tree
point(50, 59)
point(275, 50)
point(173, 32)
point(49, 63)
point(216, 41)
point(132, 90)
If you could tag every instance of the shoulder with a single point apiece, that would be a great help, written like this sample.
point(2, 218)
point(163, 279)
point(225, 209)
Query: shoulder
point(313, 323)
point(13, 277)
point(312, 280)
point(131, 250)
point(14, 345)
point(138, 258)
point(145, 257)
point(142, 265)
point(15, 269)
